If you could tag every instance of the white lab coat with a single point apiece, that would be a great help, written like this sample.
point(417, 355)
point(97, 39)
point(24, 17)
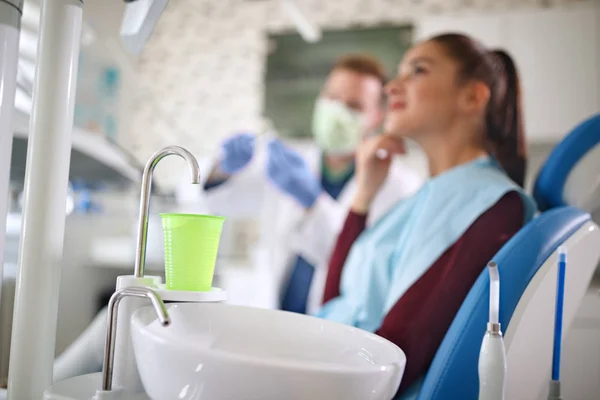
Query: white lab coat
point(287, 230)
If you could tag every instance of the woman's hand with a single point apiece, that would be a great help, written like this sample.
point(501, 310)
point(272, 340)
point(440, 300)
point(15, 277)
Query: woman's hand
point(373, 160)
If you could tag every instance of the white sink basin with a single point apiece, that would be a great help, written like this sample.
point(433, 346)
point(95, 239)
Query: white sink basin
point(225, 352)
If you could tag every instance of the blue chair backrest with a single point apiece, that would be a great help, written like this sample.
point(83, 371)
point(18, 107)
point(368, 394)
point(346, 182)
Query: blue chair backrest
point(549, 189)
point(453, 372)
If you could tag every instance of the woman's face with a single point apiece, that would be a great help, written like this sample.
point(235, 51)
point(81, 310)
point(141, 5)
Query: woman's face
point(423, 97)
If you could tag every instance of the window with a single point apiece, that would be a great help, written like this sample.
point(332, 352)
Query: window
point(296, 69)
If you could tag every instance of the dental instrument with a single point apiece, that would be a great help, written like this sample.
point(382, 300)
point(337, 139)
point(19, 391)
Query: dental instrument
point(492, 356)
point(554, 387)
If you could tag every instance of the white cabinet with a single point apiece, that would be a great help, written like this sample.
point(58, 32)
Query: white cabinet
point(557, 52)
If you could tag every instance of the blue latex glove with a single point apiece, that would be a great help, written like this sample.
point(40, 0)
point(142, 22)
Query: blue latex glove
point(291, 174)
point(236, 152)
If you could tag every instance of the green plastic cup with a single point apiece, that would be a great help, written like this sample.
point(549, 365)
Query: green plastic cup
point(191, 247)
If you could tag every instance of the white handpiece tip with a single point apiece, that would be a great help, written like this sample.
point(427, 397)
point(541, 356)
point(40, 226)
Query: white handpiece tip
point(562, 250)
point(493, 270)
point(562, 254)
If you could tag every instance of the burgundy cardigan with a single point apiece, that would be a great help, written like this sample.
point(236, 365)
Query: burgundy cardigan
point(419, 320)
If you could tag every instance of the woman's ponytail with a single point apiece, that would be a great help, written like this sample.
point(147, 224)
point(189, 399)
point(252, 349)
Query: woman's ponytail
point(505, 136)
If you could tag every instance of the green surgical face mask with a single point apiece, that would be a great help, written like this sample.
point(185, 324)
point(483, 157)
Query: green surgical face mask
point(336, 128)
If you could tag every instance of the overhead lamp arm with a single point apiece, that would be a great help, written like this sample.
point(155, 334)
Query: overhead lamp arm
point(139, 19)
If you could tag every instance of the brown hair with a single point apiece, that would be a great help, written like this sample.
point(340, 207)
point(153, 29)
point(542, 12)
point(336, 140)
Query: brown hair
point(363, 64)
point(505, 139)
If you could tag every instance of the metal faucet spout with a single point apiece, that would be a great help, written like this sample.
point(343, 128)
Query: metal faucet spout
point(142, 234)
point(111, 334)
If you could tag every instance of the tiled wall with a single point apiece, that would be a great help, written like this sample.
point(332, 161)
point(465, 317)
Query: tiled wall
point(201, 75)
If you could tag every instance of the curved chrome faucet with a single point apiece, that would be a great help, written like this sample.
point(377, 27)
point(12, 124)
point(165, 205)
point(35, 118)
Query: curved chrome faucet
point(140, 254)
point(111, 335)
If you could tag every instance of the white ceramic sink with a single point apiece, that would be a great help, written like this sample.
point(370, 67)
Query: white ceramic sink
point(226, 352)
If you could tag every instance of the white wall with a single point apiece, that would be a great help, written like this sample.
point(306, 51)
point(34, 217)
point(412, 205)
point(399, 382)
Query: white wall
point(557, 53)
point(202, 72)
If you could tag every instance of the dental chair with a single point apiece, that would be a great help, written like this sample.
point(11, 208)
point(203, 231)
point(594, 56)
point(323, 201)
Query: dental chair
point(570, 176)
point(527, 264)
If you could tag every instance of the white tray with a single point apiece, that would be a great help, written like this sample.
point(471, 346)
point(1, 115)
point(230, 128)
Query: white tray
point(215, 295)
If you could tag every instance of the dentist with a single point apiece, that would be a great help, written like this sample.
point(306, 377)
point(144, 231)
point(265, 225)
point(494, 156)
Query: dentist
point(307, 193)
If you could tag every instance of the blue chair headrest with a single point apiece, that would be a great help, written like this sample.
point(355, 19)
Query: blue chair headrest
point(549, 189)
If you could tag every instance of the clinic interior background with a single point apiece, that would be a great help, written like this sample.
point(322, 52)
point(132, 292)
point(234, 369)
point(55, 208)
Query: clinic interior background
point(202, 76)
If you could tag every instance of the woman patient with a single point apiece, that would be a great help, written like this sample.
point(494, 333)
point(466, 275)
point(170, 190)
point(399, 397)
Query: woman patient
point(406, 277)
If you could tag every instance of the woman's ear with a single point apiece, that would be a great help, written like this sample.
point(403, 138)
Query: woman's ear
point(476, 96)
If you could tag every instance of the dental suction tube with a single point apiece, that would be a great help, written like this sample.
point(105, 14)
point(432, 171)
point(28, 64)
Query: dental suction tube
point(494, 293)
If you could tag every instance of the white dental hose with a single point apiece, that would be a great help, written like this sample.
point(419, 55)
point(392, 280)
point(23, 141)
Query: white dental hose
point(492, 356)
